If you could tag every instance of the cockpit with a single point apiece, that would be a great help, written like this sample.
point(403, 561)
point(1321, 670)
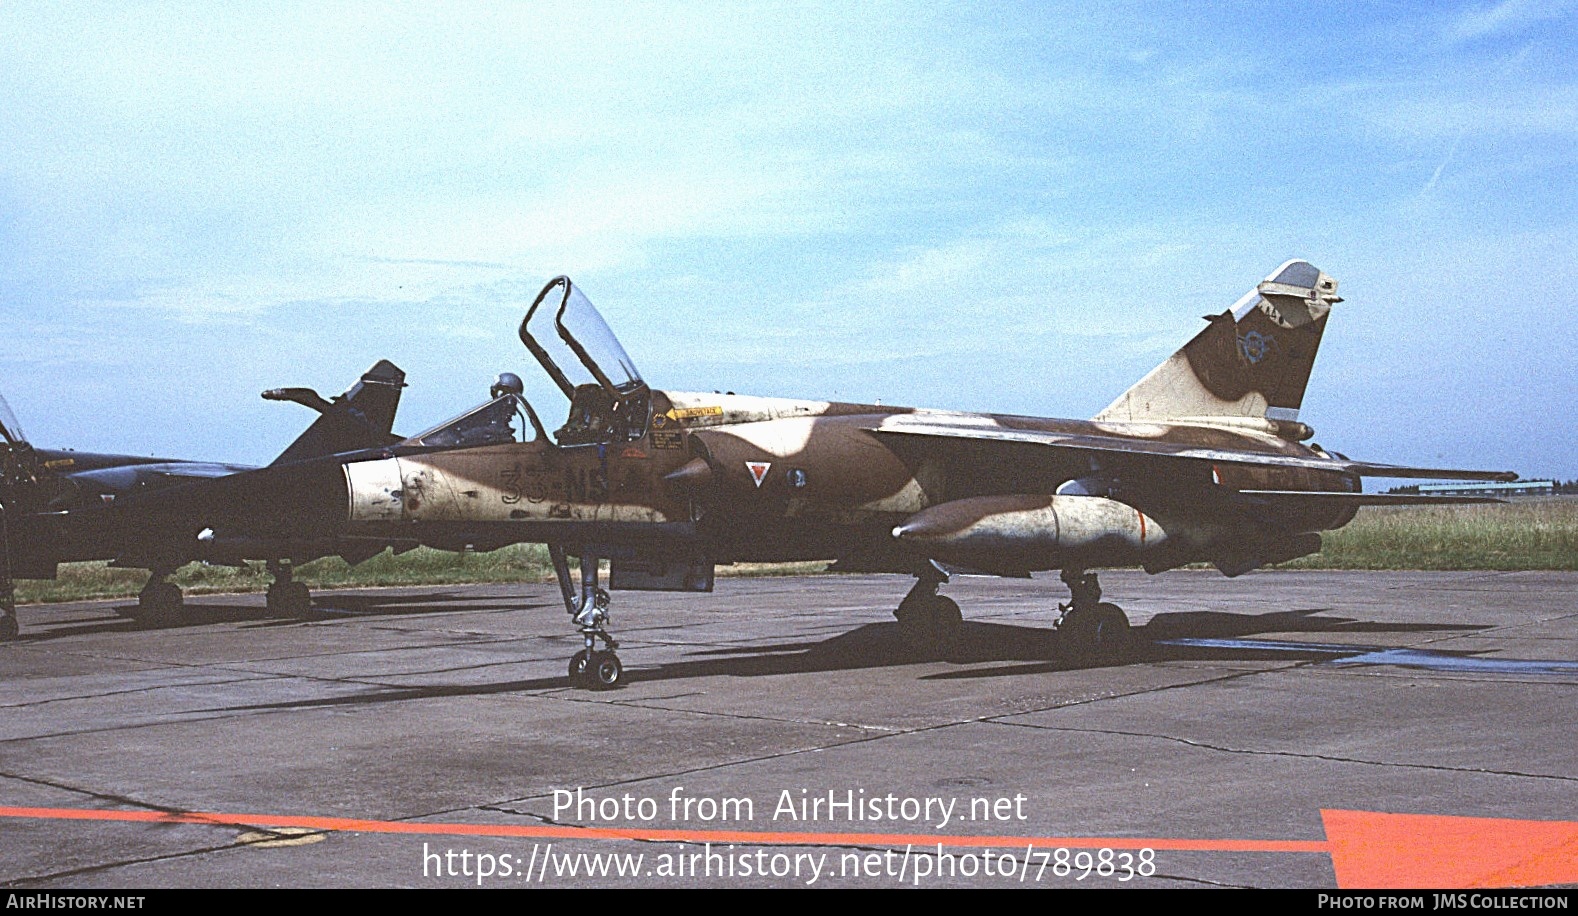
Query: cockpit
point(505, 419)
point(18, 463)
point(609, 402)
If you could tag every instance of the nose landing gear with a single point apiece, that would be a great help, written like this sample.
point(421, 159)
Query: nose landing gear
point(591, 668)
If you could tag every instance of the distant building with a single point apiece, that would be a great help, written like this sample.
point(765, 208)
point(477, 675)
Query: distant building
point(1515, 488)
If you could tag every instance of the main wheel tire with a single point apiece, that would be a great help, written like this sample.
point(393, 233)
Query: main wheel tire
point(605, 672)
point(1114, 640)
point(293, 599)
point(160, 604)
point(579, 663)
point(1100, 635)
point(931, 630)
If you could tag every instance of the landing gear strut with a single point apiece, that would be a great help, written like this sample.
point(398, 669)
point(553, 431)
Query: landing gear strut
point(591, 668)
point(286, 595)
point(8, 625)
point(929, 623)
point(1090, 629)
point(160, 603)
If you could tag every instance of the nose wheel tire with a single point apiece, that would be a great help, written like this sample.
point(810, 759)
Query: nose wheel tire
point(605, 671)
point(579, 662)
point(600, 670)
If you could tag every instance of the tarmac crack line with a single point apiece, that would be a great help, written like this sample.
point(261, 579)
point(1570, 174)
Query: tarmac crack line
point(108, 866)
point(995, 718)
point(126, 801)
point(169, 663)
point(1330, 758)
point(257, 677)
point(747, 717)
point(99, 796)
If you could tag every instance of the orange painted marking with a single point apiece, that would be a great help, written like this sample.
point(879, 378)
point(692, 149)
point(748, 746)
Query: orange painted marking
point(1370, 850)
point(764, 838)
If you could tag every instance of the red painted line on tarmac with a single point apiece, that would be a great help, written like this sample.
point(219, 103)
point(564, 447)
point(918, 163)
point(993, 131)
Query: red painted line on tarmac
point(764, 838)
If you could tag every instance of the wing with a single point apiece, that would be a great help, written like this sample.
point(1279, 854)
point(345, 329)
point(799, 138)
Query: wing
point(192, 470)
point(985, 429)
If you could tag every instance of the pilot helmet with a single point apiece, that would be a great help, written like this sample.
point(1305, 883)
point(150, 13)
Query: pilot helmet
point(507, 383)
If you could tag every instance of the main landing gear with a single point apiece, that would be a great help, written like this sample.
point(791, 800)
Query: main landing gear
point(160, 603)
point(591, 668)
point(1091, 630)
point(285, 595)
point(930, 624)
point(9, 629)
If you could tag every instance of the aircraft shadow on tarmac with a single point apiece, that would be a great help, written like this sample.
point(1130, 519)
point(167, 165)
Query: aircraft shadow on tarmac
point(879, 645)
point(199, 613)
point(1167, 638)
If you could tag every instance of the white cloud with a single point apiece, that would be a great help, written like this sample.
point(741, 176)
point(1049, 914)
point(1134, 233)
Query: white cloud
point(1509, 17)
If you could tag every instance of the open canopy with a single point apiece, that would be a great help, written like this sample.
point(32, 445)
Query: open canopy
point(574, 344)
point(9, 430)
point(608, 400)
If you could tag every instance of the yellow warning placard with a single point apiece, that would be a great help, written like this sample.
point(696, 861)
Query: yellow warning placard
point(686, 413)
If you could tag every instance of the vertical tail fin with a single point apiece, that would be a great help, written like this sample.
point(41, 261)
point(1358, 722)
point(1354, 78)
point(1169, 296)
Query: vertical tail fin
point(1252, 362)
point(362, 417)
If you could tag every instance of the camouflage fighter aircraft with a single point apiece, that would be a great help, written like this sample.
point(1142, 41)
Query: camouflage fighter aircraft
point(61, 506)
point(1203, 460)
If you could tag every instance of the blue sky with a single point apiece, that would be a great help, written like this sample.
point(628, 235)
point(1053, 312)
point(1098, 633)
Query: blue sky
point(1008, 207)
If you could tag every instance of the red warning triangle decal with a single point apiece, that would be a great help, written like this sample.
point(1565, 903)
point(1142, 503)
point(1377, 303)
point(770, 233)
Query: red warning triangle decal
point(758, 471)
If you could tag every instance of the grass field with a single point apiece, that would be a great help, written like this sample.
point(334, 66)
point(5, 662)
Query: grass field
point(1529, 534)
point(1526, 534)
point(519, 563)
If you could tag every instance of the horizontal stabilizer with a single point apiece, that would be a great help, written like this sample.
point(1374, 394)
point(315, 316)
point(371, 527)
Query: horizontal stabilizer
point(1368, 469)
point(1370, 499)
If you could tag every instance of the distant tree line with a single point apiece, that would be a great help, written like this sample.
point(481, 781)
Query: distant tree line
point(1561, 486)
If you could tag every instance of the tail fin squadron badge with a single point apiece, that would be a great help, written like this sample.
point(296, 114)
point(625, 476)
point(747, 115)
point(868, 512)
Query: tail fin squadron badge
point(758, 471)
point(1255, 346)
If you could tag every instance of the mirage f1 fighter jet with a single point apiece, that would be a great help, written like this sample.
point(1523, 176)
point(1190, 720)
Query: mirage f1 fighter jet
point(62, 506)
point(1203, 460)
